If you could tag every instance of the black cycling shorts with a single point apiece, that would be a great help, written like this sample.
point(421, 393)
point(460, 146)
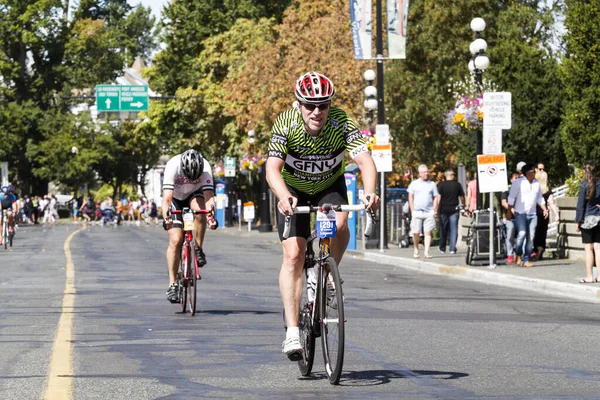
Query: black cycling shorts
point(300, 225)
point(180, 205)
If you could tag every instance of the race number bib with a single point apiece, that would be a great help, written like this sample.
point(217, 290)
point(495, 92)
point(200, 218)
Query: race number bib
point(188, 221)
point(326, 227)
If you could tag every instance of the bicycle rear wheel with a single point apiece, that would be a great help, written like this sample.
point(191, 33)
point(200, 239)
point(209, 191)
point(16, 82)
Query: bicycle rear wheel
point(191, 281)
point(307, 335)
point(332, 320)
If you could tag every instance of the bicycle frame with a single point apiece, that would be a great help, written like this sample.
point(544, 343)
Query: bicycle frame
point(190, 272)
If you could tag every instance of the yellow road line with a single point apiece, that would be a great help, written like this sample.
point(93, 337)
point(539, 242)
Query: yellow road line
point(60, 377)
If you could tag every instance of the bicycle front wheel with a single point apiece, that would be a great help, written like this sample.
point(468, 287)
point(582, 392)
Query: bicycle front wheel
point(182, 281)
point(331, 306)
point(307, 334)
point(191, 281)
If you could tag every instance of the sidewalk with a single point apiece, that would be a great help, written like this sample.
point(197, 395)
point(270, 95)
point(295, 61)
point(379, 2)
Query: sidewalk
point(557, 277)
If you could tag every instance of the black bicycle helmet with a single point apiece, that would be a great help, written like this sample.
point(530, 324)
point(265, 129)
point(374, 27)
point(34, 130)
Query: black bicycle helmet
point(192, 164)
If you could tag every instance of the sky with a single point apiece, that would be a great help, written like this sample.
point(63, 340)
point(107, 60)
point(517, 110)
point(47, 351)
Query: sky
point(156, 5)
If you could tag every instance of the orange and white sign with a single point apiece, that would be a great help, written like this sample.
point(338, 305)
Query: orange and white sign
point(248, 211)
point(382, 156)
point(492, 176)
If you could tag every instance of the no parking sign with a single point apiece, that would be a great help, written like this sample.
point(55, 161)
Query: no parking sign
point(491, 173)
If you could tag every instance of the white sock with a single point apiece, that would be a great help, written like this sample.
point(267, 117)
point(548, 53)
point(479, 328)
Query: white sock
point(292, 331)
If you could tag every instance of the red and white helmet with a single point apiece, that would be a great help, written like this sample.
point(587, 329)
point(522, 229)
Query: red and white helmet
point(313, 87)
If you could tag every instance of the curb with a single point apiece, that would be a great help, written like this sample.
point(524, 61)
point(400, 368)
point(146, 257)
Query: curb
point(554, 288)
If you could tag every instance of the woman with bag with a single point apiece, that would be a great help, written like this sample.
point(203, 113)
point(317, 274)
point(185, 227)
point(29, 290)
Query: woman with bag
point(588, 221)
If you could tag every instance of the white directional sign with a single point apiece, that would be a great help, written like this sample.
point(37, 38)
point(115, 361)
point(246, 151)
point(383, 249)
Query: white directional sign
point(497, 110)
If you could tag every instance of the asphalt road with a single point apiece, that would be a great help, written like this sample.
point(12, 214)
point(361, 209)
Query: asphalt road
point(408, 335)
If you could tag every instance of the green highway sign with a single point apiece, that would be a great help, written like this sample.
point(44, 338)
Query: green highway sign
point(122, 98)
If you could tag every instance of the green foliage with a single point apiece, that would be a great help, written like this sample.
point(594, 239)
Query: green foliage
point(573, 182)
point(580, 74)
point(518, 34)
point(185, 26)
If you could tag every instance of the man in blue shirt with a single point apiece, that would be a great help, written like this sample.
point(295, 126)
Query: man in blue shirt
point(424, 199)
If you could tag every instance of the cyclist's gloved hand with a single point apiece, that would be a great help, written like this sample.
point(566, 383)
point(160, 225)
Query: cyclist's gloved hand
point(167, 222)
point(287, 204)
point(212, 222)
point(371, 201)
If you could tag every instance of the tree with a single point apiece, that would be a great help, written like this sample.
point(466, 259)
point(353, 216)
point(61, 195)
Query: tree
point(265, 86)
point(70, 149)
point(187, 23)
point(581, 78)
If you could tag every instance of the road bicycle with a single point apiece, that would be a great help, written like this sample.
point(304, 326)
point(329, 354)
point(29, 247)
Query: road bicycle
point(188, 274)
point(325, 316)
point(7, 237)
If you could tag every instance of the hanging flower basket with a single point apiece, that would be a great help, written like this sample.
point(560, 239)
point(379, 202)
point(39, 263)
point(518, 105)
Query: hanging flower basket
point(466, 117)
point(219, 170)
point(370, 138)
point(249, 163)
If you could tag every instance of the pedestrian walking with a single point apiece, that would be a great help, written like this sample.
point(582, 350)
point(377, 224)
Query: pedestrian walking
point(451, 195)
point(587, 217)
point(509, 223)
point(541, 230)
point(471, 203)
point(423, 198)
point(523, 196)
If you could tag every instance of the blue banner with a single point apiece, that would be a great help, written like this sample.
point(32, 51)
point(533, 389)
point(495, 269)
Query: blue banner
point(361, 22)
point(397, 16)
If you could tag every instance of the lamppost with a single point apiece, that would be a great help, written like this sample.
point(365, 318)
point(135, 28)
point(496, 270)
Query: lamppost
point(479, 62)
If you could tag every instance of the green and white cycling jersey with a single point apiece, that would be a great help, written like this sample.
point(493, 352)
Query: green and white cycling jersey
point(312, 164)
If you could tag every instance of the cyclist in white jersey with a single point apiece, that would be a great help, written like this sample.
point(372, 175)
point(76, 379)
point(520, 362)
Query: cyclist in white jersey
point(188, 183)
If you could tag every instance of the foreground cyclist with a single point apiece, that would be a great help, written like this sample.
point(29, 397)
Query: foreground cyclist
point(8, 202)
point(306, 164)
point(187, 183)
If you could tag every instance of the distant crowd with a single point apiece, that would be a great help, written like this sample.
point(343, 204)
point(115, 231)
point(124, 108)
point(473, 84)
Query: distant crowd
point(44, 210)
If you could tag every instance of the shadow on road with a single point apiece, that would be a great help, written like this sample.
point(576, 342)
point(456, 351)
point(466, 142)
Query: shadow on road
point(381, 377)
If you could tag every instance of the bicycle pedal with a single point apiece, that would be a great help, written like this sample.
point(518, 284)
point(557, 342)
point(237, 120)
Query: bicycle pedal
point(295, 356)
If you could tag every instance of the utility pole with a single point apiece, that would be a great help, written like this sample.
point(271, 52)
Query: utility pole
point(381, 121)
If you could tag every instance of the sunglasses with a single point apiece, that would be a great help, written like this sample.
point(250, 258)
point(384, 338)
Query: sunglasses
point(311, 107)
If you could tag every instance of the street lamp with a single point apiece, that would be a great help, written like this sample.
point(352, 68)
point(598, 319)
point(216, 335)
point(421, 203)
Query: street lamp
point(478, 63)
point(370, 91)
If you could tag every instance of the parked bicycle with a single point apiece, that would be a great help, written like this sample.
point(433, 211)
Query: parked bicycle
point(325, 316)
point(189, 272)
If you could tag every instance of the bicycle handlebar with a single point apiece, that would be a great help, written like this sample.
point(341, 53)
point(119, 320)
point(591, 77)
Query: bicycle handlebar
point(327, 207)
point(198, 212)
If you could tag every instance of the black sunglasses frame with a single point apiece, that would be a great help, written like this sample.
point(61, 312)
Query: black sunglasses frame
point(321, 106)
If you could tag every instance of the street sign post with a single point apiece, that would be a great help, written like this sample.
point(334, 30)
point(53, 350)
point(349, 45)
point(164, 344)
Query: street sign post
point(113, 98)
